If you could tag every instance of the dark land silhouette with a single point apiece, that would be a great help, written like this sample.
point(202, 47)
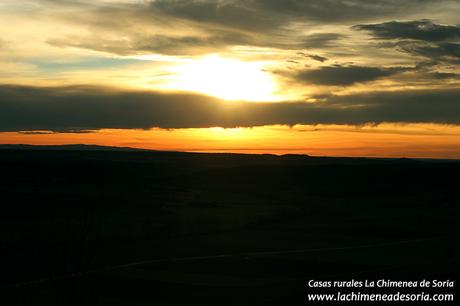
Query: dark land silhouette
point(113, 226)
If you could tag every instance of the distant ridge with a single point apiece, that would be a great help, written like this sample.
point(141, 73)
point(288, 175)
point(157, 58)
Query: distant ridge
point(286, 157)
point(70, 147)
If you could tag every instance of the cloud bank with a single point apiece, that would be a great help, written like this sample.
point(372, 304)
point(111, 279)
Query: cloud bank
point(91, 108)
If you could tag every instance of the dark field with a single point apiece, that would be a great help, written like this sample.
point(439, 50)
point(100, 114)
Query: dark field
point(164, 228)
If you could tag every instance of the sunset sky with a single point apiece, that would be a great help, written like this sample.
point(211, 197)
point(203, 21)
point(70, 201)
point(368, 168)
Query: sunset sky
point(326, 77)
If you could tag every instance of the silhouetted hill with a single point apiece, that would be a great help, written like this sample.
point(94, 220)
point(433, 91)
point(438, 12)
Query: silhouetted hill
point(70, 147)
point(224, 157)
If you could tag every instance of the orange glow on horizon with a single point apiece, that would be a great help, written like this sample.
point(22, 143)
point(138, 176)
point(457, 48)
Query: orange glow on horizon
point(385, 140)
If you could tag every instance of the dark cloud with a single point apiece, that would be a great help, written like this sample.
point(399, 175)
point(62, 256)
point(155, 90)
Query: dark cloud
point(315, 57)
point(444, 75)
point(55, 132)
point(424, 30)
point(421, 38)
point(403, 106)
point(345, 75)
point(263, 14)
point(89, 108)
point(318, 58)
point(435, 52)
point(241, 14)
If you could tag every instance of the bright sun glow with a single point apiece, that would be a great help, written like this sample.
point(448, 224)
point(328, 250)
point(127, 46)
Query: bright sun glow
point(226, 79)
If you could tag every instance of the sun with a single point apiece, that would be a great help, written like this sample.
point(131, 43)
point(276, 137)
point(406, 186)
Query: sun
point(227, 79)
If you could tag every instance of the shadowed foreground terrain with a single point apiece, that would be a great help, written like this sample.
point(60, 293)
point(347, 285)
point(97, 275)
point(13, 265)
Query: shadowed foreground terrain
point(88, 226)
